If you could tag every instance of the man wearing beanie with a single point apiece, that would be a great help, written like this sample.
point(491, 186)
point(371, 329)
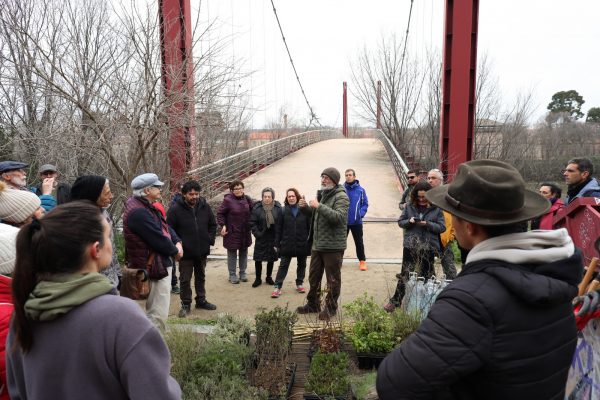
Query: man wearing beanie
point(8, 237)
point(18, 207)
point(329, 212)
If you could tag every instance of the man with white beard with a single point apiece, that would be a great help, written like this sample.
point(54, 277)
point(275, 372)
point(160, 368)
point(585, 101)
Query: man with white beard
point(13, 174)
point(329, 213)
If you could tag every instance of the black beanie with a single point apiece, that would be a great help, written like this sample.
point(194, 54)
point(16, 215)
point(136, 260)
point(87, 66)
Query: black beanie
point(333, 173)
point(88, 187)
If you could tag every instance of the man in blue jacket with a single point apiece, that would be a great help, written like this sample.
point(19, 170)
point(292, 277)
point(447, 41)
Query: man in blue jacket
point(578, 177)
point(359, 203)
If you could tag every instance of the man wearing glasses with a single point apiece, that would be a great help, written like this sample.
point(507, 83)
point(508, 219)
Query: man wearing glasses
point(147, 236)
point(578, 177)
point(413, 177)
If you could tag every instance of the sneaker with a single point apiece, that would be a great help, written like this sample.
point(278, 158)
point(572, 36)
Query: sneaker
point(389, 307)
point(307, 309)
point(257, 282)
point(205, 305)
point(185, 310)
point(300, 289)
point(269, 280)
point(234, 280)
point(243, 277)
point(276, 293)
point(363, 265)
point(175, 289)
point(326, 314)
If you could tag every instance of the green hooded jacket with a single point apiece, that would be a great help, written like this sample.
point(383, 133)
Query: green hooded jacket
point(329, 219)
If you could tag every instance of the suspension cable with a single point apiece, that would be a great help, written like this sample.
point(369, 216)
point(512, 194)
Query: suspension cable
point(313, 116)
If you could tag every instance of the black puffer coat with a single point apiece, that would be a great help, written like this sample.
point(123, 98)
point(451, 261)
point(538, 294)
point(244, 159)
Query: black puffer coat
point(499, 331)
point(264, 246)
point(292, 233)
point(195, 226)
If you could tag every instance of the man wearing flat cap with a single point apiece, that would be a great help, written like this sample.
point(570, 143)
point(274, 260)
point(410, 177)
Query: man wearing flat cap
point(13, 174)
point(329, 212)
point(147, 236)
point(50, 186)
point(504, 328)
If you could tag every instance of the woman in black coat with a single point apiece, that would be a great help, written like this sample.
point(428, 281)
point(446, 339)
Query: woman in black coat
point(292, 241)
point(263, 218)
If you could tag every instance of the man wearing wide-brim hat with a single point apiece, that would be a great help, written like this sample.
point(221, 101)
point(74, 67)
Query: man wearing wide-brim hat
point(504, 328)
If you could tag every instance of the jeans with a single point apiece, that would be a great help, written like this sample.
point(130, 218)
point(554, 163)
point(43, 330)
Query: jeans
point(283, 270)
point(331, 264)
point(197, 267)
point(357, 235)
point(159, 301)
point(232, 256)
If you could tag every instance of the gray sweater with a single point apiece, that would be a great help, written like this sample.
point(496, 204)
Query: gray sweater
point(104, 349)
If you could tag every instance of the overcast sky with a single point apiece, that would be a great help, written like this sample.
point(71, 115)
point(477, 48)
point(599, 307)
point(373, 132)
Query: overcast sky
point(534, 45)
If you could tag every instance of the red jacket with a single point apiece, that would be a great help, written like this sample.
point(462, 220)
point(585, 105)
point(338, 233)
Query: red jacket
point(6, 309)
point(546, 219)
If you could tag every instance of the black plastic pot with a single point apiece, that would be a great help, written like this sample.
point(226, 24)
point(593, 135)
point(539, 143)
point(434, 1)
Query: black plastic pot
point(369, 361)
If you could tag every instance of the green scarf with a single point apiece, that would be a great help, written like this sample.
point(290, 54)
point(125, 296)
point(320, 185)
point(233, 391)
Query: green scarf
point(58, 294)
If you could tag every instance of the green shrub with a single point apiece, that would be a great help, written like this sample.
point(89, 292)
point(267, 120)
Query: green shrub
point(363, 385)
point(225, 389)
point(120, 247)
point(185, 347)
point(274, 330)
point(372, 329)
point(328, 374)
point(403, 324)
point(231, 328)
point(220, 360)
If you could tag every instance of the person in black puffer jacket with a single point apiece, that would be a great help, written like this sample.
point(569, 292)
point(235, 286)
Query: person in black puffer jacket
point(263, 218)
point(504, 328)
point(292, 240)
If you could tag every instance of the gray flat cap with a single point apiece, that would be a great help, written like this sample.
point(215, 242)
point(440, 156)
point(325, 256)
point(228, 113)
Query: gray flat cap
point(47, 167)
point(145, 180)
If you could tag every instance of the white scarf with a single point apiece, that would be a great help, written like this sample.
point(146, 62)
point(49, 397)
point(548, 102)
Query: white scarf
point(533, 247)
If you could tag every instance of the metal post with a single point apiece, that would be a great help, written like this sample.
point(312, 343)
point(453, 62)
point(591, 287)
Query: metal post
point(458, 84)
point(178, 83)
point(378, 125)
point(345, 113)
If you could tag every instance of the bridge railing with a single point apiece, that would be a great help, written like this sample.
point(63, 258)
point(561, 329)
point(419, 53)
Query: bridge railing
point(397, 161)
point(582, 219)
point(215, 177)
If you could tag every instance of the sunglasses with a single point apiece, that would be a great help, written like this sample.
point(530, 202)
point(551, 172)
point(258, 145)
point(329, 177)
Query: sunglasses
point(411, 177)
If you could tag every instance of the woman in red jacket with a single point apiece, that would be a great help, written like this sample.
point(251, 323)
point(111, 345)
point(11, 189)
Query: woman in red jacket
point(8, 235)
point(552, 192)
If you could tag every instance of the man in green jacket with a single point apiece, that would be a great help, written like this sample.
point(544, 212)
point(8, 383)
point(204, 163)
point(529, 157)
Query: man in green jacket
point(328, 232)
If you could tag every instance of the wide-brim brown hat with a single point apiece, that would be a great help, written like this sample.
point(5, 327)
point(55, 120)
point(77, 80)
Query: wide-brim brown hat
point(488, 192)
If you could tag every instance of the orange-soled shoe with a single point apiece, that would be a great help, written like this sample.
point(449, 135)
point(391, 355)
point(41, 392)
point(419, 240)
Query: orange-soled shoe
point(363, 265)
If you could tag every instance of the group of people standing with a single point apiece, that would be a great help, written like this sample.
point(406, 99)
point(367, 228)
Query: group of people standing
point(291, 231)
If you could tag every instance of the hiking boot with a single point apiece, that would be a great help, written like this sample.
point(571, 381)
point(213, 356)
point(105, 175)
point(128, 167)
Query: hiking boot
point(389, 307)
point(326, 314)
point(243, 277)
point(257, 282)
point(205, 305)
point(276, 293)
point(185, 310)
point(269, 280)
point(307, 309)
point(363, 265)
point(300, 289)
point(234, 279)
point(175, 289)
